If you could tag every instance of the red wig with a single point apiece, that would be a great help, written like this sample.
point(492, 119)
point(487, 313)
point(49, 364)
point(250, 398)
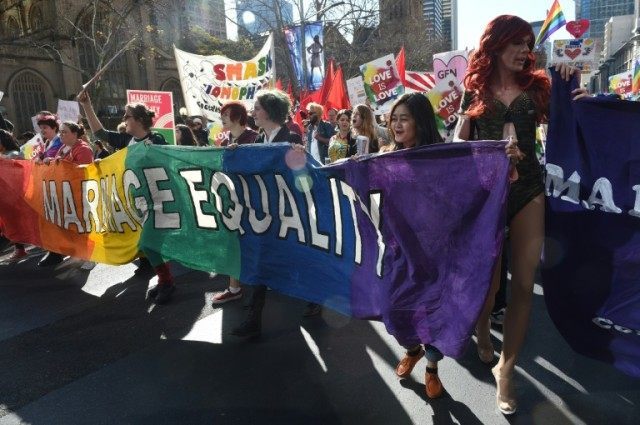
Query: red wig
point(237, 112)
point(500, 32)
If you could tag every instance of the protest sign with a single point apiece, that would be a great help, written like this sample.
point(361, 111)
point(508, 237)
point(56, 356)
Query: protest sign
point(450, 63)
point(445, 99)
point(382, 83)
point(68, 110)
point(161, 103)
point(621, 83)
point(355, 88)
point(580, 53)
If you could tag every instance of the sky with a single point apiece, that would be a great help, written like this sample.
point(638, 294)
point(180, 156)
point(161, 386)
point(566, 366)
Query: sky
point(474, 15)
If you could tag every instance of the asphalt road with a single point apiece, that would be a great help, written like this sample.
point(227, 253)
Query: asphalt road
point(80, 347)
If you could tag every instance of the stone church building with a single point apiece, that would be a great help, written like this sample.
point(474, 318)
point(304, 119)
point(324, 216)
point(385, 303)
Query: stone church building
point(49, 48)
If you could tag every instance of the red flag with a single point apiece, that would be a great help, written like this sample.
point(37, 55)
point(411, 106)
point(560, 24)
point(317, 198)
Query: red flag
point(279, 84)
point(337, 96)
point(321, 95)
point(401, 65)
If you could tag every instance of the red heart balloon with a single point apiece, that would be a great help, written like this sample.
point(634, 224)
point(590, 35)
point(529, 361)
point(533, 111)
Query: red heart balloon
point(577, 28)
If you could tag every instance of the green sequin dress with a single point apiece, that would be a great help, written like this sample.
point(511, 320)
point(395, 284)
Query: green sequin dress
point(522, 112)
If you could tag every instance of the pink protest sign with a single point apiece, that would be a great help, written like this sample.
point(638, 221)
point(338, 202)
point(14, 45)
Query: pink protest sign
point(161, 103)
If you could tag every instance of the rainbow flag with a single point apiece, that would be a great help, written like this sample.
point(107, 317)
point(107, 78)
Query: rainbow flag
point(635, 86)
point(555, 20)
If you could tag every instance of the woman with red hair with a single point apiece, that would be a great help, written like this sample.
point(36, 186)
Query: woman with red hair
point(506, 99)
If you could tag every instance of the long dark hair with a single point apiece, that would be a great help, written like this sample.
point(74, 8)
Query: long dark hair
point(187, 137)
point(8, 142)
point(422, 112)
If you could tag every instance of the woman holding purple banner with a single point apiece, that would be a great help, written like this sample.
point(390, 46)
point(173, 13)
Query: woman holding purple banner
point(413, 124)
point(506, 99)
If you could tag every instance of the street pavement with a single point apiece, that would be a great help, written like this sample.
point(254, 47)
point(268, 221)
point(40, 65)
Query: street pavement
point(84, 347)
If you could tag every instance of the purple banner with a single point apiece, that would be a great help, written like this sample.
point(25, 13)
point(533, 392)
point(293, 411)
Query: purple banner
point(592, 249)
point(442, 217)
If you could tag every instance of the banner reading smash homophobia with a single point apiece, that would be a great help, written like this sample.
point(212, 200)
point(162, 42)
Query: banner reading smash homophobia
point(408, 237)
point(208, 82)
point(592, 249)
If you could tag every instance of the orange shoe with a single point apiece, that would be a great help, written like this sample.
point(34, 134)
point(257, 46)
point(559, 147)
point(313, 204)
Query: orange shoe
point(407, 363)
point(432, 383)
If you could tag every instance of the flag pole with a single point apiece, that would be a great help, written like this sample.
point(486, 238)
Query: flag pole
point(104, 68)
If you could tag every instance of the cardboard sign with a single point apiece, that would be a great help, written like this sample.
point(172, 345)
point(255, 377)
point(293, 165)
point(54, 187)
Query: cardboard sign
point(577, 28)
point(382, 83)
point(445, 98)
point(580, 53)
point(450, 63)
point(161, 103)
point(68, 110)
point(355, 88)
point(621, 84)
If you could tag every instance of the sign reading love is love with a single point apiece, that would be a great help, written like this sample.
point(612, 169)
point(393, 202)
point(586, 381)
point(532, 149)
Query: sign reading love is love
point(382, 83)
point(579, 53)
point(452, 63)
point(577, 28)
point(445, 98)
point(621, 83)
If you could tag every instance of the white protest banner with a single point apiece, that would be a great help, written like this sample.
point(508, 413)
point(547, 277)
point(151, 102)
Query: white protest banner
point(580, 53)
point(450, 63)
point(68, 110)
point(355, 88)
point(1, 95)
point(381, 83)
point(208, 82)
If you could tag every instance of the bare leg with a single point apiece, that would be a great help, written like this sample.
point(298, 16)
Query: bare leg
point(483, 327)
point(527, 236)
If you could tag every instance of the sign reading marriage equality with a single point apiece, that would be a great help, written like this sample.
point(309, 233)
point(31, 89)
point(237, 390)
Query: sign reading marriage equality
point(382, 83)
point(160, 102)
point(591, 270)
point(266, 214)
point(208, 82)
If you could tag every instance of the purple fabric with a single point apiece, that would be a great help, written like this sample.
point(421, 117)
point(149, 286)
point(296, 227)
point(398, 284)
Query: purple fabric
point(53, 148)
point(443, 216)
point(592, 250)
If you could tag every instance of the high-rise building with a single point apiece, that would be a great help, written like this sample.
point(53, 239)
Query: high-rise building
point(450, 22)
point(259, 16)
point(433, 15)
point(208, 15)
point(598, 13)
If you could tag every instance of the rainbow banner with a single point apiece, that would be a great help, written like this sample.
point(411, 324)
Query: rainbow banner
point(362, 237)
point(635, 87)
point(554, 21)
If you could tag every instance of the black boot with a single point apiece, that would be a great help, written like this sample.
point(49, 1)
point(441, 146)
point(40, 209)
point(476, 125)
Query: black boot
point(145, 269)
point(252, 326)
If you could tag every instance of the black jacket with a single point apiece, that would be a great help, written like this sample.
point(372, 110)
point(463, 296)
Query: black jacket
point(283, 136)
